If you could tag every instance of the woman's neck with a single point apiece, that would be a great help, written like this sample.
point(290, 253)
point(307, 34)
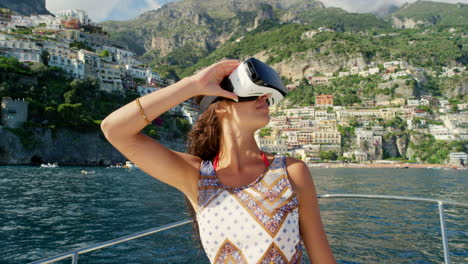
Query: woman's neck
point(237, 150)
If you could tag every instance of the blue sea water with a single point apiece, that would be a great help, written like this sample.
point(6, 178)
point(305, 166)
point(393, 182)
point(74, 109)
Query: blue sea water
point(45, 212)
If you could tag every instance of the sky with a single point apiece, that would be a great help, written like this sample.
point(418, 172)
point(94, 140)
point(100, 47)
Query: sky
point(101, 10)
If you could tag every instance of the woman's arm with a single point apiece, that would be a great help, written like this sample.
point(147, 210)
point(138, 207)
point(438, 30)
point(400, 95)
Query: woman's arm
point(311, 227)
point(122, 128)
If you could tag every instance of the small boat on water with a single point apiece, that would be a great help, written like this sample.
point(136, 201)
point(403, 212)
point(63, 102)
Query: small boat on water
point(117, 165)
point(48, 165)
point(129, 164)
point(87, 172)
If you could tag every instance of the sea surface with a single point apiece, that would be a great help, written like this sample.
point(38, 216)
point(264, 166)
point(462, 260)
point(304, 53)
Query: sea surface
point(48, 211)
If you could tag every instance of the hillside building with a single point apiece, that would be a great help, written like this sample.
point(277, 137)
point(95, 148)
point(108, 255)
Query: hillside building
point(324, 100)
point(14, 112)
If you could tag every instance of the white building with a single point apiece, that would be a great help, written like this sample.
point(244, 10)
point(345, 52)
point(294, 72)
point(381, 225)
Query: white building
point(81, 15)
point(136, 72)
point(391, 63)
point(355, 70)
point(343, 114)
point(191, 114)
point(343, 74)
point(14, 112)
point(23, 49)
point(374, 70)
point(74, 67)
point(324, 115)
point(273, 143)
point(458, 158)
point(441, 132)
point(395, 75)
point(121, 56)
point(110, 77)
point(30, 21)
point(364, 135)
point(413, 102)
point(357, 155)
point(364, 73)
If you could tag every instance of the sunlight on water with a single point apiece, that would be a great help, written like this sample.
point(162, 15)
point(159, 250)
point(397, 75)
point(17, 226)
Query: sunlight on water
point(51, 211)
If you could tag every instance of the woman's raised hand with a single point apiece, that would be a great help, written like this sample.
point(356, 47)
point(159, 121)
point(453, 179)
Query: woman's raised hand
point(207, 81)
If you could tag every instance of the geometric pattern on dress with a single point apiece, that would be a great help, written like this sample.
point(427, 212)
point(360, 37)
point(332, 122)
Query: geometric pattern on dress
point(275, 255)
point(229, 253)
point(208, 185)
point(289, 237)
point(271, 221)
point(297, 257)
point(225, 218)
point(269, 200)
point(250, 219)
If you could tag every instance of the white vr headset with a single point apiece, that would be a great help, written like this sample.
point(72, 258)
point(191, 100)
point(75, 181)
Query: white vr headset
point(251, 79)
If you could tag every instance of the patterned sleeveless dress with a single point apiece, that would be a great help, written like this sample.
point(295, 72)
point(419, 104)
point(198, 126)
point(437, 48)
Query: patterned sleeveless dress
point(256, 223)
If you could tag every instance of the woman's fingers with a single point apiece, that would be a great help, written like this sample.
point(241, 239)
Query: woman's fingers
point(210, 78)
point(224, 68)
point(230, 95)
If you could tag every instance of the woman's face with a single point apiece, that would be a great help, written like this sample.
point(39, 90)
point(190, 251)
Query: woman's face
point(251, 114)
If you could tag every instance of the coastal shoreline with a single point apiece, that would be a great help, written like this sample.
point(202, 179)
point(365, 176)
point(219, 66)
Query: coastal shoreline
point(384, 165)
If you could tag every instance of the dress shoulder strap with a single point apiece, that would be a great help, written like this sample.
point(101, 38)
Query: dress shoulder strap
point(208, 186)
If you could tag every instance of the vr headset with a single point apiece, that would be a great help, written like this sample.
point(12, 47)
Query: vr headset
point(251, 79)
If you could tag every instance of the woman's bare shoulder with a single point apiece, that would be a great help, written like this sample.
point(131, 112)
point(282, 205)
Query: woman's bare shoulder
point(298, 173)
point(294, 163)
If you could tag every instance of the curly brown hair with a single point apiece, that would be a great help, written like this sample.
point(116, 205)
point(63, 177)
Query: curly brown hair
point(204, 141)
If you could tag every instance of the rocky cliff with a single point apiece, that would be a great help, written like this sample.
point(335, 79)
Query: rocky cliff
point(26, 7)
point(63, 146)
point(302, 64)
point(396, 146)
point(183, 32)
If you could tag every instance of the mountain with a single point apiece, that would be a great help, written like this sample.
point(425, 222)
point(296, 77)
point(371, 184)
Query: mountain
point(385, 10)
point(298, 50)
point(26, 7)
point(428, 13)
point(182, 32)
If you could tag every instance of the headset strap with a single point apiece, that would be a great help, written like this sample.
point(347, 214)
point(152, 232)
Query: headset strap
point(205, 102)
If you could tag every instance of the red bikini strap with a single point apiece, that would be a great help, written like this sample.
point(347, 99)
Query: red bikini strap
point(265, 160)
point(215, 163)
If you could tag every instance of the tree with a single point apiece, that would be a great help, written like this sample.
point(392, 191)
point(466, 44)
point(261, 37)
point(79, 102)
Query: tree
point(45, 57)
point(328, 155)
point(69, 114)
point(353, 122)
point(105, 53)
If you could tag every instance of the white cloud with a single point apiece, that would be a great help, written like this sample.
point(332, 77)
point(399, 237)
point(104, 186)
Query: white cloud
point(100, 10)
point(152, 4)
point(362, 6)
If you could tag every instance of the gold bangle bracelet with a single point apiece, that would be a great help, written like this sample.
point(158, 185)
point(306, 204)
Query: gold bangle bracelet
point(141, 111)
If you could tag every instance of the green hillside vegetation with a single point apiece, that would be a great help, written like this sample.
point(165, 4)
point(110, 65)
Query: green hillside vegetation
point(55, 97)
point(433, 151)
point(346, 91)
point(353, 89)
point(418, 47)
point(340, 20)
point(435, 12)
point(58, 101)
point(199, 26)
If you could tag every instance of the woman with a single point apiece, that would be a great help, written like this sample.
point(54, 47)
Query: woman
point(242, 217)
